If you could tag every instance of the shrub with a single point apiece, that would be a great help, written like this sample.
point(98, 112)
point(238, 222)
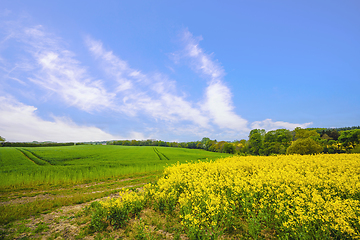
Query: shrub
point(304, 146)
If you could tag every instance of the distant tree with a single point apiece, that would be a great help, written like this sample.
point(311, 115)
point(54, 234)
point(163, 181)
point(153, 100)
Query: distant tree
point(347, 128)
point(229, 148)
point(241, 146)
point(333, 134)
point(174, 144)
point(304, 133)
point(2, 140)
point(277, 141)
point(330, 134)
point(256, 138)
point(210, 145)
point(326, 137)
point(219, 147)
point(356, 149)
point(304, 146)
point(204, 142)
point(191, 145)
point(349, 139)
point(161, 143)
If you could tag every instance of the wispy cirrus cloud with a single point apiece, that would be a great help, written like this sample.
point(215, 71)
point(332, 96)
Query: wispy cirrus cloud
point(124, 92)
point(55, 69)
point(218, 97)
point(154, 95)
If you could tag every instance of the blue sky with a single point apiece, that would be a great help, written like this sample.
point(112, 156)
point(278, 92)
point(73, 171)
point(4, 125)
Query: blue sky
point(176, 70)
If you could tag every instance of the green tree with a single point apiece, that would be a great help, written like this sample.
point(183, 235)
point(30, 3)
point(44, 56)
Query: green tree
point(204, 142)
point(210, 145)
point(304, 146)
point(350, 139)
point(304, 133)
point(2, 140)
point(220, 146)
point(256, 138)
point(356, 149)
point(229, 148)
point(241, 147)
point(330, 134)
point(277, 141)
point(161, 143)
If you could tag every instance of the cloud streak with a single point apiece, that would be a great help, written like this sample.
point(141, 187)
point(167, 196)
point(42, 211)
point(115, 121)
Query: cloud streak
point(153, 95)
point(57, 71)
point(125, 92)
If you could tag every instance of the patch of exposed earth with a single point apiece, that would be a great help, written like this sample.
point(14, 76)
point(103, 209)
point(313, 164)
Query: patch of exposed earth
point(67, 222)
point(64, 223)
point(19, 199)
point(51, 196)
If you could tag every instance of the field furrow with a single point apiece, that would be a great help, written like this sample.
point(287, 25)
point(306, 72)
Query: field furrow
point(29, 155)
point(44, 187)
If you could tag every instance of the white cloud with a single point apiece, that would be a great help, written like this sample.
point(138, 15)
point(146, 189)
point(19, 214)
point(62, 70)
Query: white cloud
point(153, 95)
point(137, 136)
point(202, 62)
point(218, 103)
point(218, 97)
point(56, 70)
point(19, 122)
point(116, 68)
point(269, 125)
point(62, 74)
point(47, 63)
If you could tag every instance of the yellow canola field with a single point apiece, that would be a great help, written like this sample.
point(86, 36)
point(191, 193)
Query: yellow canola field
point(291, 196)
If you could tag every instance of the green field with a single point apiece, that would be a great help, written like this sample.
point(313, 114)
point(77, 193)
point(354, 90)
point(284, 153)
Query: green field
point(39, 180)
point(86, 163)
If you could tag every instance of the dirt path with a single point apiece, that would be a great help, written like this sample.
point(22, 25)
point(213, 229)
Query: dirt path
point(63, 223)
point(26, 196)
point(66, 222)
point(16, 198)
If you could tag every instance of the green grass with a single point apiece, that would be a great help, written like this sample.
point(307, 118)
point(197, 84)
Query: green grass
point(26, 167)
point(57, 197)
point(42, 179)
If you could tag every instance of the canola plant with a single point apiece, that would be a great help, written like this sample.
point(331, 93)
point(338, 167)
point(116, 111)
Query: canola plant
point(285, 196)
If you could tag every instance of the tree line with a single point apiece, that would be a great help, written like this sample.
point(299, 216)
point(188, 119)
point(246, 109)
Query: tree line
point(280, 141)
point(34, 144)
point(259, 142)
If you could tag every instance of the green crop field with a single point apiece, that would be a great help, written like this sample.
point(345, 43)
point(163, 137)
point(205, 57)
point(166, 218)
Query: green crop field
point(40, 180)
point(76, 164)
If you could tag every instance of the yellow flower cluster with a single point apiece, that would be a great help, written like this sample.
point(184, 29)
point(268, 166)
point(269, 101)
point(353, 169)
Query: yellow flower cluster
point(126, 198)
point(119, 211)
point(299, 196)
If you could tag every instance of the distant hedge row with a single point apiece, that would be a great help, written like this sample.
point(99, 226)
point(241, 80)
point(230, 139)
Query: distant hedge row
point(24, 144)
